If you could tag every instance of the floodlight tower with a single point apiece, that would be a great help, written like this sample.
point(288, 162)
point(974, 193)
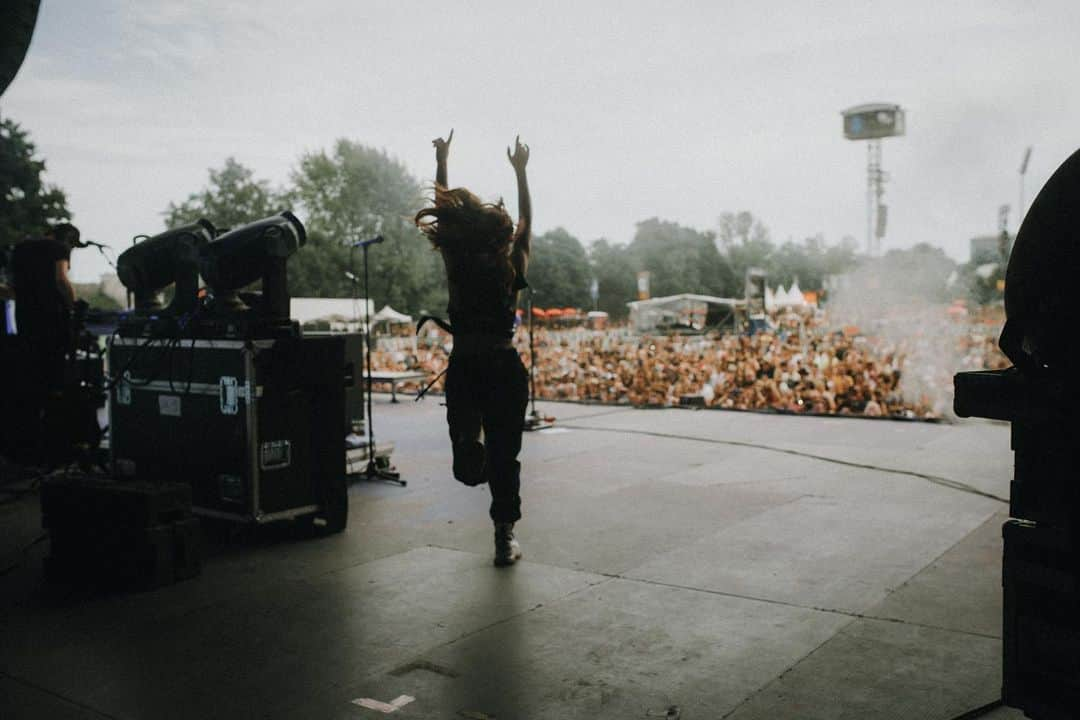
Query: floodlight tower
point(872, 122)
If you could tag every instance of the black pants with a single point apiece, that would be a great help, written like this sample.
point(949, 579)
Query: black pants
point(488, 390)
point(36, 376)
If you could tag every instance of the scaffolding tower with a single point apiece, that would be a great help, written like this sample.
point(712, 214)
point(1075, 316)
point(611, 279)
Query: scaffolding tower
point(871, 123)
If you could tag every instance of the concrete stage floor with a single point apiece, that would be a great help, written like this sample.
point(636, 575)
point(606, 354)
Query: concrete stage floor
point(731, 580)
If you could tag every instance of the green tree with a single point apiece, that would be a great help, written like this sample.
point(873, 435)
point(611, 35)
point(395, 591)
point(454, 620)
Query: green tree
point(745, 243)
point(559, 271)
point(922, 270)
point(233, 197)
point(680, 259)
point(94, 295)
point(809, 262)
point(842, 258)
point(356, 192)
point(28, 206)
point(616, 276)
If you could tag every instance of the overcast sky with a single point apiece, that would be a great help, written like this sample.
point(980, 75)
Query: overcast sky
point(681, 110)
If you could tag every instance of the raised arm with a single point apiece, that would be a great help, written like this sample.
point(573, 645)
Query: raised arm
point(442, 151)
point(523, 234)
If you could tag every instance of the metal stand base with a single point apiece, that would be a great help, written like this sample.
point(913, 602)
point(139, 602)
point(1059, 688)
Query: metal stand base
point(535, 422)
point(375, 473)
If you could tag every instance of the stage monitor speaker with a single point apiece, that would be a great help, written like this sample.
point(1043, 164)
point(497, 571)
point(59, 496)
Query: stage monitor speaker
point(354, 379)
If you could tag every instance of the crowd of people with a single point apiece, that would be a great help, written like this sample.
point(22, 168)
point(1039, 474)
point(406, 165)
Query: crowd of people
point(805, 362)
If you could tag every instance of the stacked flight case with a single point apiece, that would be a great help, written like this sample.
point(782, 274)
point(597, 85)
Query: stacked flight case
point(1041, 568)
point(119, 534)
point(252, 425)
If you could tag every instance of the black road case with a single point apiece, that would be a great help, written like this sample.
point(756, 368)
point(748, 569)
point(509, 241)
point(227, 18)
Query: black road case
point(1041, 564)
point(1041, 639)
point(121, 534)
point(254, 426)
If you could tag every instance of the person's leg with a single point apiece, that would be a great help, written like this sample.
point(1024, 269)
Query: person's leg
point(463, 419)
point(33, 386)
point(505, 403)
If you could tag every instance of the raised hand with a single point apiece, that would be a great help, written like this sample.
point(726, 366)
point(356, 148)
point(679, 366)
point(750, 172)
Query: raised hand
point(442, 147)
point(520, 157)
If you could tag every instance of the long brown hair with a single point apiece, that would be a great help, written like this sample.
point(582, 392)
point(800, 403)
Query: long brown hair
point(472, 234)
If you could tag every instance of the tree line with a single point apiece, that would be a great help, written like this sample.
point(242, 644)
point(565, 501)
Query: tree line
point(352, 191)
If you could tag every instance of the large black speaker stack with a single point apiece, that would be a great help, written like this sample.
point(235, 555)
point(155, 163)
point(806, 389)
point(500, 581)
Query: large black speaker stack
point(253, 426)
point(1040, 397)
point(1041, 564)
point(219, 407)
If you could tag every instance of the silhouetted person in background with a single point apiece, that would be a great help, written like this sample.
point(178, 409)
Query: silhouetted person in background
point(486, 383)
point(44, 299)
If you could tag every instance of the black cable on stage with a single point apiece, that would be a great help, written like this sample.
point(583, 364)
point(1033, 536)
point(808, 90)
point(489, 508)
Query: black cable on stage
point(935, 479)
point(156, 366)
point(119, 375)
point(181, 327)
point(164, 352)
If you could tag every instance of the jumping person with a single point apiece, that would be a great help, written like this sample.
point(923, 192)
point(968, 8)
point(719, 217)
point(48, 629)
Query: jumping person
point(486, 383)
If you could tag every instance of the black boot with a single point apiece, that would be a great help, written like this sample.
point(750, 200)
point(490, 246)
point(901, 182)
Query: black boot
point(507, 550)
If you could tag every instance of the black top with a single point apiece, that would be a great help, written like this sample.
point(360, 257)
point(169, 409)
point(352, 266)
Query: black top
point(39, 306)
point(479, 304)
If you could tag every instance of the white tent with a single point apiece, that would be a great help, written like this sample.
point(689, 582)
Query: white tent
point(307, 310)
point(792, 297)
point(390, 315)
point(686, 310)
point(795, 295)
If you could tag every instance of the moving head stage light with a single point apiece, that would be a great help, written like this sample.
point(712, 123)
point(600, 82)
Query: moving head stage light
point(233, 399)
point(256, 251)
point(170, 257)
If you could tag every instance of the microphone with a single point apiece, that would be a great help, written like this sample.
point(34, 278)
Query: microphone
point(351, 276)
point(91, 243)
point(364, 243)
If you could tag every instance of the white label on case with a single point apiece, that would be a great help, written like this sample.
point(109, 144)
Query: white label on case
point(169, 405)
point(229, 395)
point(123, 390)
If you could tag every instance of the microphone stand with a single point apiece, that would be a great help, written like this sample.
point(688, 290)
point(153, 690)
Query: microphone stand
point(533, 421)
point(372, 471)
